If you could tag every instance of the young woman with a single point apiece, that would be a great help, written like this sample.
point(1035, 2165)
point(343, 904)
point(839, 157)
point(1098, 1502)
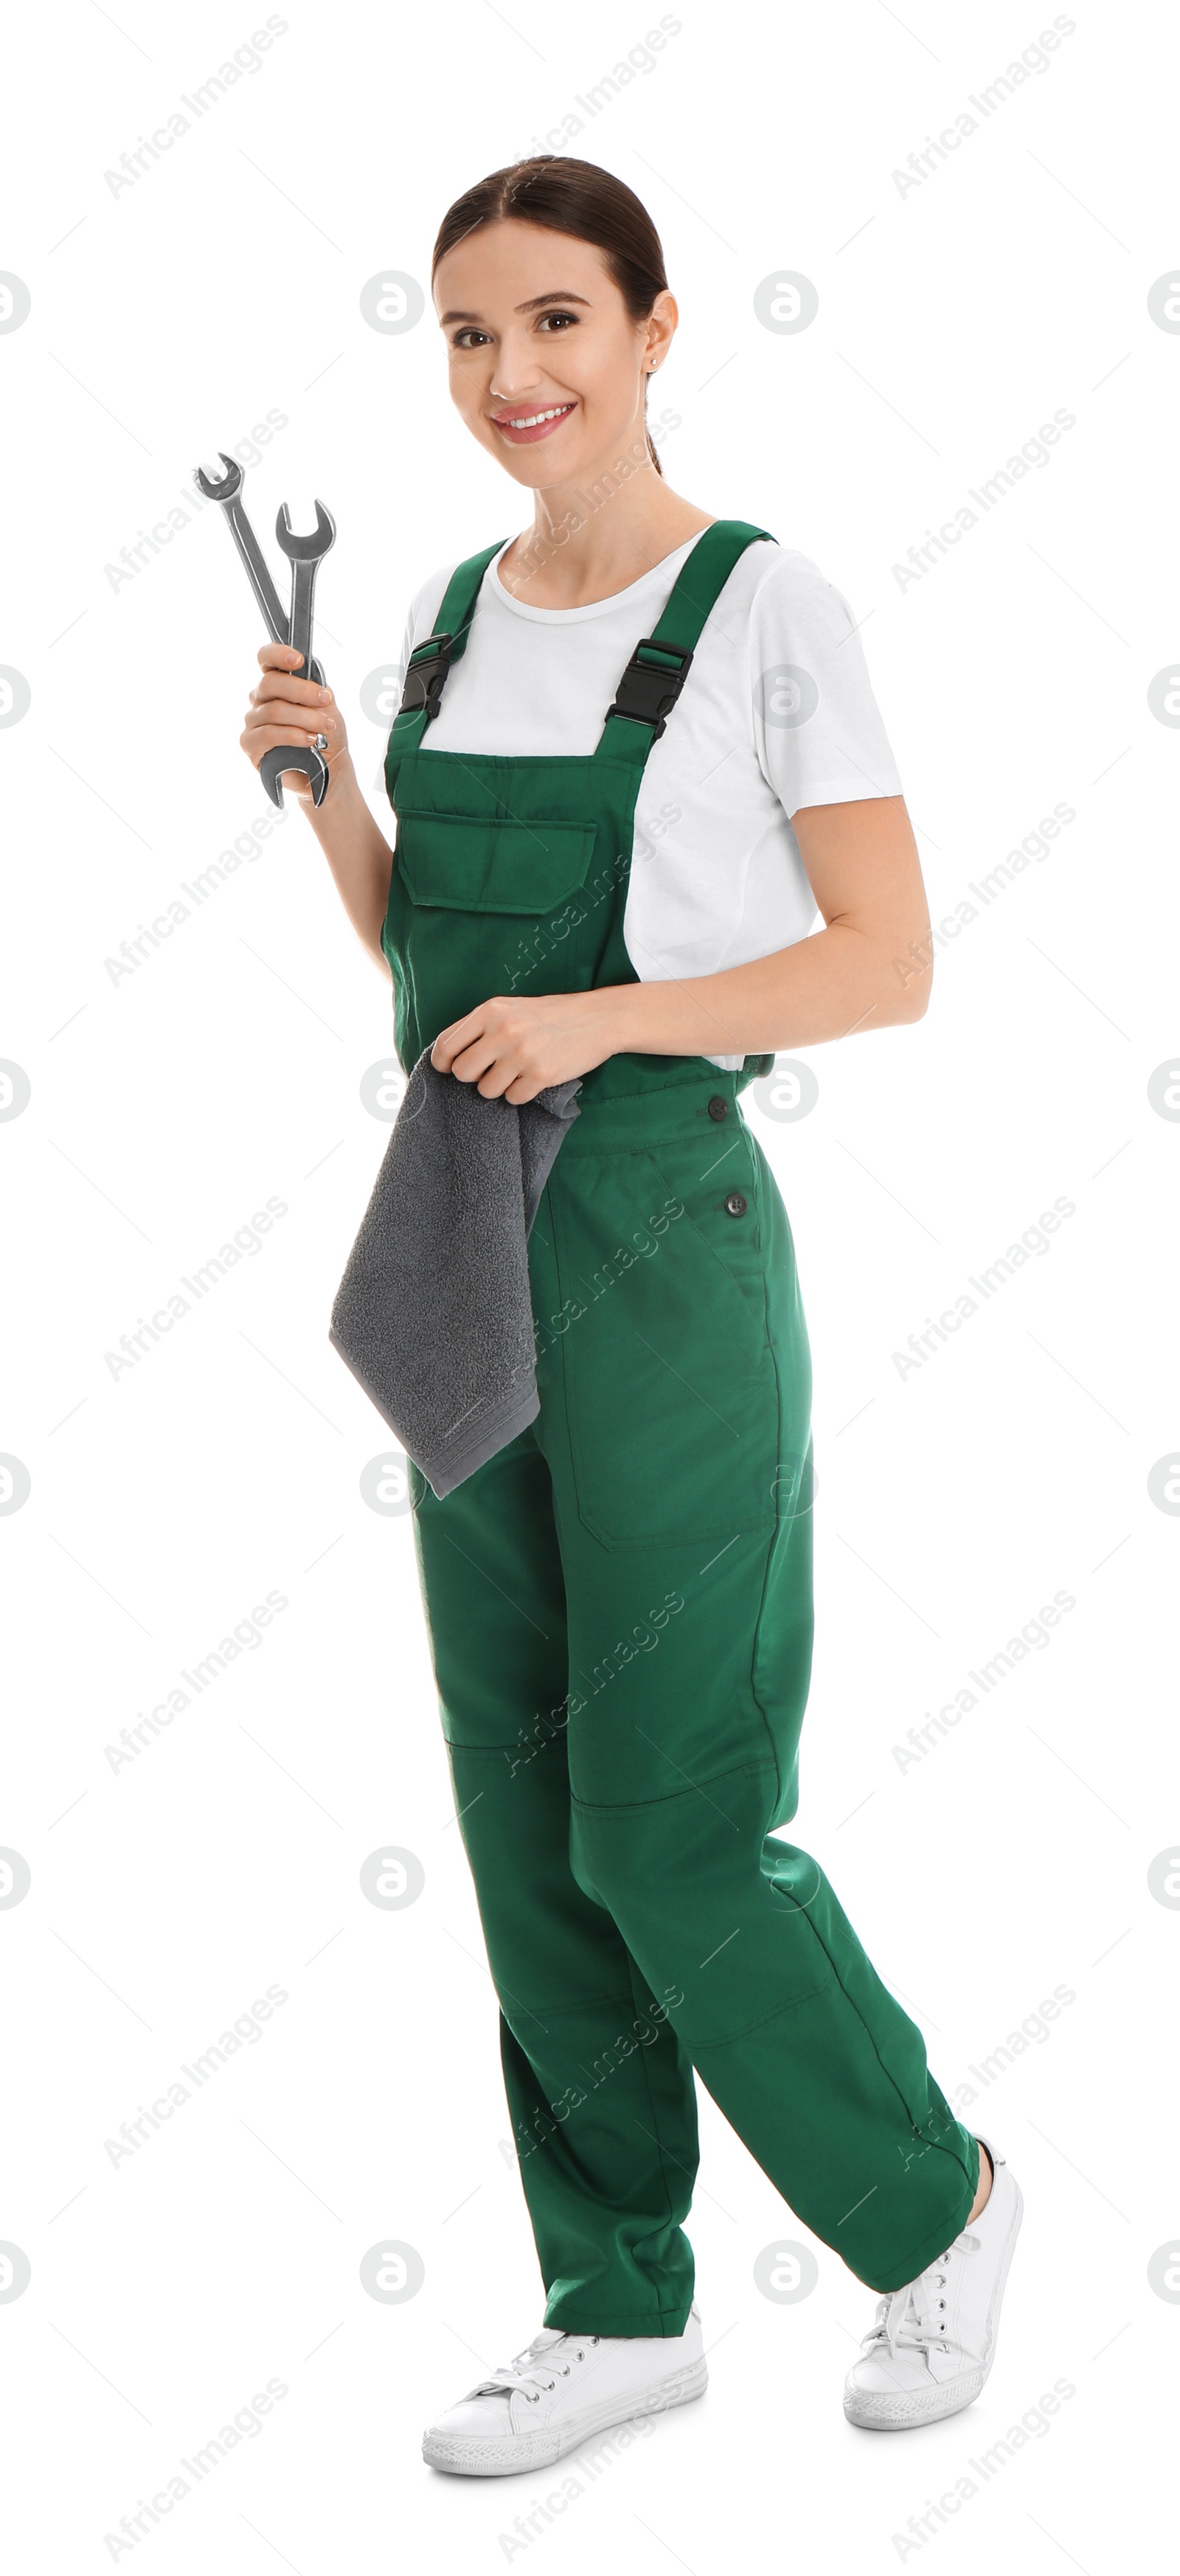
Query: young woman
point(637, 748)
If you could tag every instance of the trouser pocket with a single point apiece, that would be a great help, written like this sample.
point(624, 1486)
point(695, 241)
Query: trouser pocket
point(671, 1387)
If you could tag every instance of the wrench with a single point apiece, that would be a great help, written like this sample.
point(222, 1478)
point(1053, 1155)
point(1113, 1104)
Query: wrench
point(304, 555)
point(227, 489)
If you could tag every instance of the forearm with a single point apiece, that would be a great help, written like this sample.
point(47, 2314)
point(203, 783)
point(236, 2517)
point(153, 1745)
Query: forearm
point(827, 986)
point(357, 853)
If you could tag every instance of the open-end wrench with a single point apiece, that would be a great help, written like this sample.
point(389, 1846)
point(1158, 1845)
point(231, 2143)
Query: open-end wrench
point(227, 490)
point(304, 555)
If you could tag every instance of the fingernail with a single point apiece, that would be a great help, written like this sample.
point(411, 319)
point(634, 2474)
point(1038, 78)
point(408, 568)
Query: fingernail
point(323, 697)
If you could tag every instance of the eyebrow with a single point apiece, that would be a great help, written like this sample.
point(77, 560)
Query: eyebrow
point(533, 305)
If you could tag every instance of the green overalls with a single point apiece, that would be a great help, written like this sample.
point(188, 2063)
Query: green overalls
point(619, 1603)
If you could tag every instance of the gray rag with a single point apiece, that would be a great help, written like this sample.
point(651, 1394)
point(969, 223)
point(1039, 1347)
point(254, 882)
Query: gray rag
point(433, 1314)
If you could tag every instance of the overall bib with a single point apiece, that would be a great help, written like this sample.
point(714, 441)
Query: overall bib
point(619, 1603)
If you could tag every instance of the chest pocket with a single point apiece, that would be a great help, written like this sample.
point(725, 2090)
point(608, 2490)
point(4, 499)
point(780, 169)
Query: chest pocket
point(456, 864)
point(483, 907)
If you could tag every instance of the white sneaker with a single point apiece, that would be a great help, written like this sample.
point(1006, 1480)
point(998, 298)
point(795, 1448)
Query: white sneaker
point(932, 2344)
point(560, 2390)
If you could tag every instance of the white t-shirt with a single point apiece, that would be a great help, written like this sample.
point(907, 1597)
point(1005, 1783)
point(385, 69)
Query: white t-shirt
point(777, 711)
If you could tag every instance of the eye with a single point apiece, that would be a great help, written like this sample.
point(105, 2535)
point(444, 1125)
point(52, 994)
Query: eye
point(463, 339)
point(557, 317)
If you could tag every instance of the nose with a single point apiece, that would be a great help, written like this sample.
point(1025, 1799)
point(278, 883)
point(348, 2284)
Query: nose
point(516, 371)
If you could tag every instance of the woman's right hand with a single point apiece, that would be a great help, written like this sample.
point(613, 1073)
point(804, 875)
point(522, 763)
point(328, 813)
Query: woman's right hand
point(286, 709)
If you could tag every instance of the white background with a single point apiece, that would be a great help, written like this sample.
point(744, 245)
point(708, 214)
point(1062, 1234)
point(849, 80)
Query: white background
point(166, 1107)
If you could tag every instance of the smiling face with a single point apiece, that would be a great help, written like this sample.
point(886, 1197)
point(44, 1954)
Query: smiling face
point(546, 366)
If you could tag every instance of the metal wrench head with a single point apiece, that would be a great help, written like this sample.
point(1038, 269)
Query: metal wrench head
point(306, 549)
point(274, 765)
point(230, 484)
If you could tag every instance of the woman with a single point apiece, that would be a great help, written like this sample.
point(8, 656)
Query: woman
point(646, 753)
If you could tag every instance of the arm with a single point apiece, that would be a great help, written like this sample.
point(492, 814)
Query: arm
point(858, 972)
point(868, 968)
point(284, 709)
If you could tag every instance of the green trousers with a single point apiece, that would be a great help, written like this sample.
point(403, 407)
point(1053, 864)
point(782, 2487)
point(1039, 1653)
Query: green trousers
point(619, 1608)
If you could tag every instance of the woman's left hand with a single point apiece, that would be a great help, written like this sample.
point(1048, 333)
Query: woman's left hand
point(512, 1048)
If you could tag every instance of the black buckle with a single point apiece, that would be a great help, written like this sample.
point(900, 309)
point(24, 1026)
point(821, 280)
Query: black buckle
point(425, 672)
point(648, 691)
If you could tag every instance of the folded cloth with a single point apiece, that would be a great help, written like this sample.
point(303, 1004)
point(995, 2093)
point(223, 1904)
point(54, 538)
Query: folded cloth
point(433, 1314)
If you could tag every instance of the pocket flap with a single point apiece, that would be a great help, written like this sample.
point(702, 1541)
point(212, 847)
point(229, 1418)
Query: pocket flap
point(468, 866)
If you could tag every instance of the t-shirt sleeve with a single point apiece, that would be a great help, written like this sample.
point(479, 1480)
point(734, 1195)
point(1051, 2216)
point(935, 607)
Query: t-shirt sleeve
point(817, 726)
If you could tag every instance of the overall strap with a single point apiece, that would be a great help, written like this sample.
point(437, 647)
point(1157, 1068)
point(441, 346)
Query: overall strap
point(430, 660)
point(656, 672)
point(653, 678)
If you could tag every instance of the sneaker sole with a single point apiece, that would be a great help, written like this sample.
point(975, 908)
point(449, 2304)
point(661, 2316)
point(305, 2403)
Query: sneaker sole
point(507, 2456)
point(881, 2412)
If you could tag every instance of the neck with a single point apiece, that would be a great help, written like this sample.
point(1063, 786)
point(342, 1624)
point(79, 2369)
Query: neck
point(598, 532)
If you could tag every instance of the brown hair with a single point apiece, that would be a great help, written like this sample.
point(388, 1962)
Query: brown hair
point(568, 196)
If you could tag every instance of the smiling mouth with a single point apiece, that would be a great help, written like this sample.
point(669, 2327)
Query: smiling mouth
point(546, 418)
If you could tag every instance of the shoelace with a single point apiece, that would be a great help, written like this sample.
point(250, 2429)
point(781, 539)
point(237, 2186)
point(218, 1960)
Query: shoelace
point(914, 2316)
point(534, 2370)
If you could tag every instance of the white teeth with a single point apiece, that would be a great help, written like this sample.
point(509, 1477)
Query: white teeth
point(533, 419)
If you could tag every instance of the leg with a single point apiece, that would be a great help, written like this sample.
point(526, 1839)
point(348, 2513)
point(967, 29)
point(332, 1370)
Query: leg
point(601, 2097)
point(675, 1417)
point(813, 2062)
